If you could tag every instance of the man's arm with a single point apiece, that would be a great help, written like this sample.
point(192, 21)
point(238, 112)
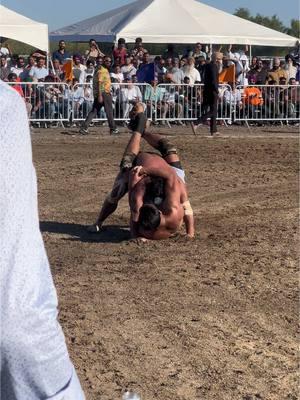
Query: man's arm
point(136, 195)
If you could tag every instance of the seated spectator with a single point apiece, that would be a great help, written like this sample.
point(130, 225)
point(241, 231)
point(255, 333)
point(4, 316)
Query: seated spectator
point(170, 52)
point(177, 73)
point(190, 71)
point(120, 52)
point(78, 68)
point(93, 52)
point(271, 95)
point(57, 70)
point(276, 72)
point(171, 99)
point(4, 68)
point(198, 51)
point(128, 70)
point(153, 96)
point(290, 68)
point(61, 53)
point(253, 99)
point(232, 100)
point(293, 99)
point(39, 72)
point(130, 95)
point(31, 62)
point(138, 50)
point(117, 74)
point(77, 97)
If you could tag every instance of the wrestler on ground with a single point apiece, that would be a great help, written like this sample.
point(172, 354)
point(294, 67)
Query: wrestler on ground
point(150, 189)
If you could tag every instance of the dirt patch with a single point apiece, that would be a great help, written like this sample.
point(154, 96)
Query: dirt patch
point(214, 318)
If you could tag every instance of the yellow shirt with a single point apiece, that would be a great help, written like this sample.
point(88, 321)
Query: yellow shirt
point(101, 81)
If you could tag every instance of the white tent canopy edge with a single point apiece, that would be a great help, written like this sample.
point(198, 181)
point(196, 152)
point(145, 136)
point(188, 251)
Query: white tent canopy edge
point(18, 27)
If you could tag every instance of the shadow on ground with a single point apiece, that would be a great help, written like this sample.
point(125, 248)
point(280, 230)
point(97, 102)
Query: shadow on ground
point(109, 234)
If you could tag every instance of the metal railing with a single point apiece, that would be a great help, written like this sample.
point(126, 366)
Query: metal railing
point(267, 103)
point(124, 96)
point(60, 102)
point(45, 101)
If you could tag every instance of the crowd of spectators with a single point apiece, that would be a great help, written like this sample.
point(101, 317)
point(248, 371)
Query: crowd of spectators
point(69, 79)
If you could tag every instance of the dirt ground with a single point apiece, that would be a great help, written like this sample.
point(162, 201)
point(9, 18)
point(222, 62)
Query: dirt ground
point(210, 319)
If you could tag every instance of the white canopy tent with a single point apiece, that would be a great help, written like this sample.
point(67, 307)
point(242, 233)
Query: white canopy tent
point(172, 21)
point(16, 26)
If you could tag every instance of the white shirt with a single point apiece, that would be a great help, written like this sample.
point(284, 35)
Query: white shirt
point(119, 77)
point(38, 73)
point(192, 73)
point(4, 51)
point(131, 94)
point(128, 71)
point(34, 358)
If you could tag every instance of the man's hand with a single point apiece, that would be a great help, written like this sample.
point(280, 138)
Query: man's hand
point(139, 170)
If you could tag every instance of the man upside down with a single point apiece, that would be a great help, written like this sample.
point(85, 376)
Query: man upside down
point(155, 184)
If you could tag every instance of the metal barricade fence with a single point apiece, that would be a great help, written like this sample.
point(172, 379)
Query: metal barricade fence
point(45, 101)
point(266, 103)
point(124, 95)
point(182, 102)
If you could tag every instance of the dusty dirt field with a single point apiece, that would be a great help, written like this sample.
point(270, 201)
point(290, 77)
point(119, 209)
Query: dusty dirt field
point(211, 319)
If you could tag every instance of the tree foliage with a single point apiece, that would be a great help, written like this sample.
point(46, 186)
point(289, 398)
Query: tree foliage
point(272, 22)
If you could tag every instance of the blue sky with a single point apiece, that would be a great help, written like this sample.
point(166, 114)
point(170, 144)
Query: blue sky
point(59, 13)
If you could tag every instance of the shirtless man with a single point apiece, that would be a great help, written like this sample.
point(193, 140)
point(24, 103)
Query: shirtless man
point(156, 187)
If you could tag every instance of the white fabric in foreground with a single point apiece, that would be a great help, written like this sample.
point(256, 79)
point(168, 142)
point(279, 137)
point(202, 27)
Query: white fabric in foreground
point(35, 363)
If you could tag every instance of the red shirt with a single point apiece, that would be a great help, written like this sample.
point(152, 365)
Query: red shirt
point(120, 53)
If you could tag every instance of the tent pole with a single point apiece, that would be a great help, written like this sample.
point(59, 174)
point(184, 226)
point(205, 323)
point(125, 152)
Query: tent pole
point(250, 55)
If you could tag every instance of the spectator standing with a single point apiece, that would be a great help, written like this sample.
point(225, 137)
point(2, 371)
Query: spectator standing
point(128, 70)
point(201, 62)
point(276, 72)
point(145, 73)
point(190, 71)
point(120, 52)
point(170, 52)
point(211, 93)
point(159, 68)
point(291, 69)
point(102, 97)
point(39, 72)
point(78, 68)
point(259, 72)
point(93, 52)
point(19, 68)
point(4, 69)
point(198, 51)
point(57, 70)
point(5, 50)
point(61, 53)
point(138, 50)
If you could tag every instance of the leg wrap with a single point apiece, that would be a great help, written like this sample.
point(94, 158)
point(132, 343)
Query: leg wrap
point(166, 148)
point(127, 161)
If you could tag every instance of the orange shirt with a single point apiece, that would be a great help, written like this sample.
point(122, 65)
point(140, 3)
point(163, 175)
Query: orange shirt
point(253, 96)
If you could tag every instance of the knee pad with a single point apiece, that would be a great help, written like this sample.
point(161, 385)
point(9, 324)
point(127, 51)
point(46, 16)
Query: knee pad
point(127, 161)
point(166, 148)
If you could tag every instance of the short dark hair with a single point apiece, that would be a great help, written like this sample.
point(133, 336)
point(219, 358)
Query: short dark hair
point(149, 218)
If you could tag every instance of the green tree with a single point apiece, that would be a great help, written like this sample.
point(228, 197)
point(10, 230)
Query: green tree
point(294, 29)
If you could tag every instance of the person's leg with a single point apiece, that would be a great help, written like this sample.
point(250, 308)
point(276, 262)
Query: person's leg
point(213, 114)
point(92, 114)
point(163, 145)
point(107, 101)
